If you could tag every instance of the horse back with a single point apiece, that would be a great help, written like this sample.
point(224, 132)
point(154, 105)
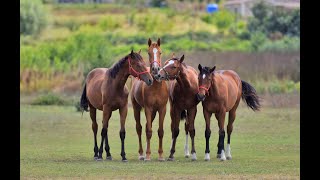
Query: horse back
point(229, 88)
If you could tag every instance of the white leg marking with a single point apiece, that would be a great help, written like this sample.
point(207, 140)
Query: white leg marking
point(193, 157)
point(186, 148)
point(223, 156)
point(207, 157)
point(228, 152)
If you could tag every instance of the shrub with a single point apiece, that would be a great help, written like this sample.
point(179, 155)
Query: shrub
point(33, 17)
point(286, 44)
point(49, 99)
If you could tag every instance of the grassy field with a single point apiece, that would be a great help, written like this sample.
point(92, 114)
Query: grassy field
point(57, 143)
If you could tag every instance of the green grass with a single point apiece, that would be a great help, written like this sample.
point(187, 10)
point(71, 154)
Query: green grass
point(56, 142)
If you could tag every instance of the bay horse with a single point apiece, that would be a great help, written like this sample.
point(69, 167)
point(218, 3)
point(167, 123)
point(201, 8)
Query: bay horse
point(182, 98)
point(220, 92)
point(105, 90)
point(153, 99)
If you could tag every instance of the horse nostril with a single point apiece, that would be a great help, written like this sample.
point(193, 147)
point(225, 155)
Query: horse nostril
point(158, 69)
point(152, 68)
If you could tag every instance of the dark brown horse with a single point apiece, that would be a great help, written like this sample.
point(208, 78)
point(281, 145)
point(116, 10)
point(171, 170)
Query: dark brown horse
point(105, 90)
point(153, 99)
point(183, 101)
point(224, 90)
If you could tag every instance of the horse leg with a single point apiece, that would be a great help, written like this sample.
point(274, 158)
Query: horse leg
point(123, 115)
point(190, 117)
point(162, 114)
point(148, 113)
point(221, 152)
point(207, 116)
point(186, 145)
point(104, 132)
point(232, 117)
point(175, 121)
point(93, 113)
point(137, 110)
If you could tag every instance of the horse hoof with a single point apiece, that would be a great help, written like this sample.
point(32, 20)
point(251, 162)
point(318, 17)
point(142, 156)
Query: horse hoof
point(109, 158)
point(218, 155)
point(161, 159)
point(171, 159)
point(99, 159)
point(95, 158)
point(207, 157)
point(141, 158)
point(147, 159)
point(223, 156)
point(229, 157)
point(124, 160)
point(194, 157)
point(187, 155)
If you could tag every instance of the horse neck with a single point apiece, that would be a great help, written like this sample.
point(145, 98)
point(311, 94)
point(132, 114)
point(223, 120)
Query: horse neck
point(182, 79)
point(214, 83)
point(122, 76)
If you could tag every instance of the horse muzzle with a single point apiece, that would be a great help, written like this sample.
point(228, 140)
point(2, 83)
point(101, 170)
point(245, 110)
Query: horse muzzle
point(201, 97)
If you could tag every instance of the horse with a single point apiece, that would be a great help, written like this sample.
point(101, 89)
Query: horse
point(106, 91)
point(153, 99)
point(220, 92)
point(182, 98)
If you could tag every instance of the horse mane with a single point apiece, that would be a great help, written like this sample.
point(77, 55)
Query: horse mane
point(116, 67)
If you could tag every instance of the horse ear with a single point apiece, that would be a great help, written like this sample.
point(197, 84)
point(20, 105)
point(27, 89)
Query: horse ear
point(139, 51)
point(182, 58)
point(200, 67)
point(149, 42)
point(212, 69)
point(158, 42)
point(131, 52)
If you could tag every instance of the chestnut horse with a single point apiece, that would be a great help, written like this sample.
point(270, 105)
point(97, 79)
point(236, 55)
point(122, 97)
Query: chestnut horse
point(153, 99)
point(183, 101)
point(224, 89)
point(105, 90)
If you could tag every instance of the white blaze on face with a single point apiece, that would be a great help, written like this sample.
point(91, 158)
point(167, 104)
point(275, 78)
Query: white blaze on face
point(203, 76)
point(169, 63)
point(155, 50)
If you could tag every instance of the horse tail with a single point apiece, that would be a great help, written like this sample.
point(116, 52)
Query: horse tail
point(249, 95)
point(183, 115)
point(84, 100)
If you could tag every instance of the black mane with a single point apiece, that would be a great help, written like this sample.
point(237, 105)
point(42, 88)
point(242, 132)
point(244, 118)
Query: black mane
point(116, 67)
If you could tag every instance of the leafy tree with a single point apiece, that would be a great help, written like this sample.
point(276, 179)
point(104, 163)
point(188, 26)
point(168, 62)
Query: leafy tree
point(33, 17)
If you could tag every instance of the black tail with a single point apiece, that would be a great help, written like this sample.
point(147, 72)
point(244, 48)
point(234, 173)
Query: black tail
point(84, 101)
point(183, 115)
point(249, 95)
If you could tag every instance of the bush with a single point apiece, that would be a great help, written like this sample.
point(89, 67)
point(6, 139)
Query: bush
point(257, 39)
point(286, 44)
point(223, 19)
point(49, 99)
point(33, 17)
point(269, 20)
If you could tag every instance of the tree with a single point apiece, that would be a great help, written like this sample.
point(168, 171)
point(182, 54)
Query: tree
point(33, 17)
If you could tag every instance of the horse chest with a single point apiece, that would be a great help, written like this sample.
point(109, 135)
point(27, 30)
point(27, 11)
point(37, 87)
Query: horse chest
point(115, 100)
point(213, 104)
